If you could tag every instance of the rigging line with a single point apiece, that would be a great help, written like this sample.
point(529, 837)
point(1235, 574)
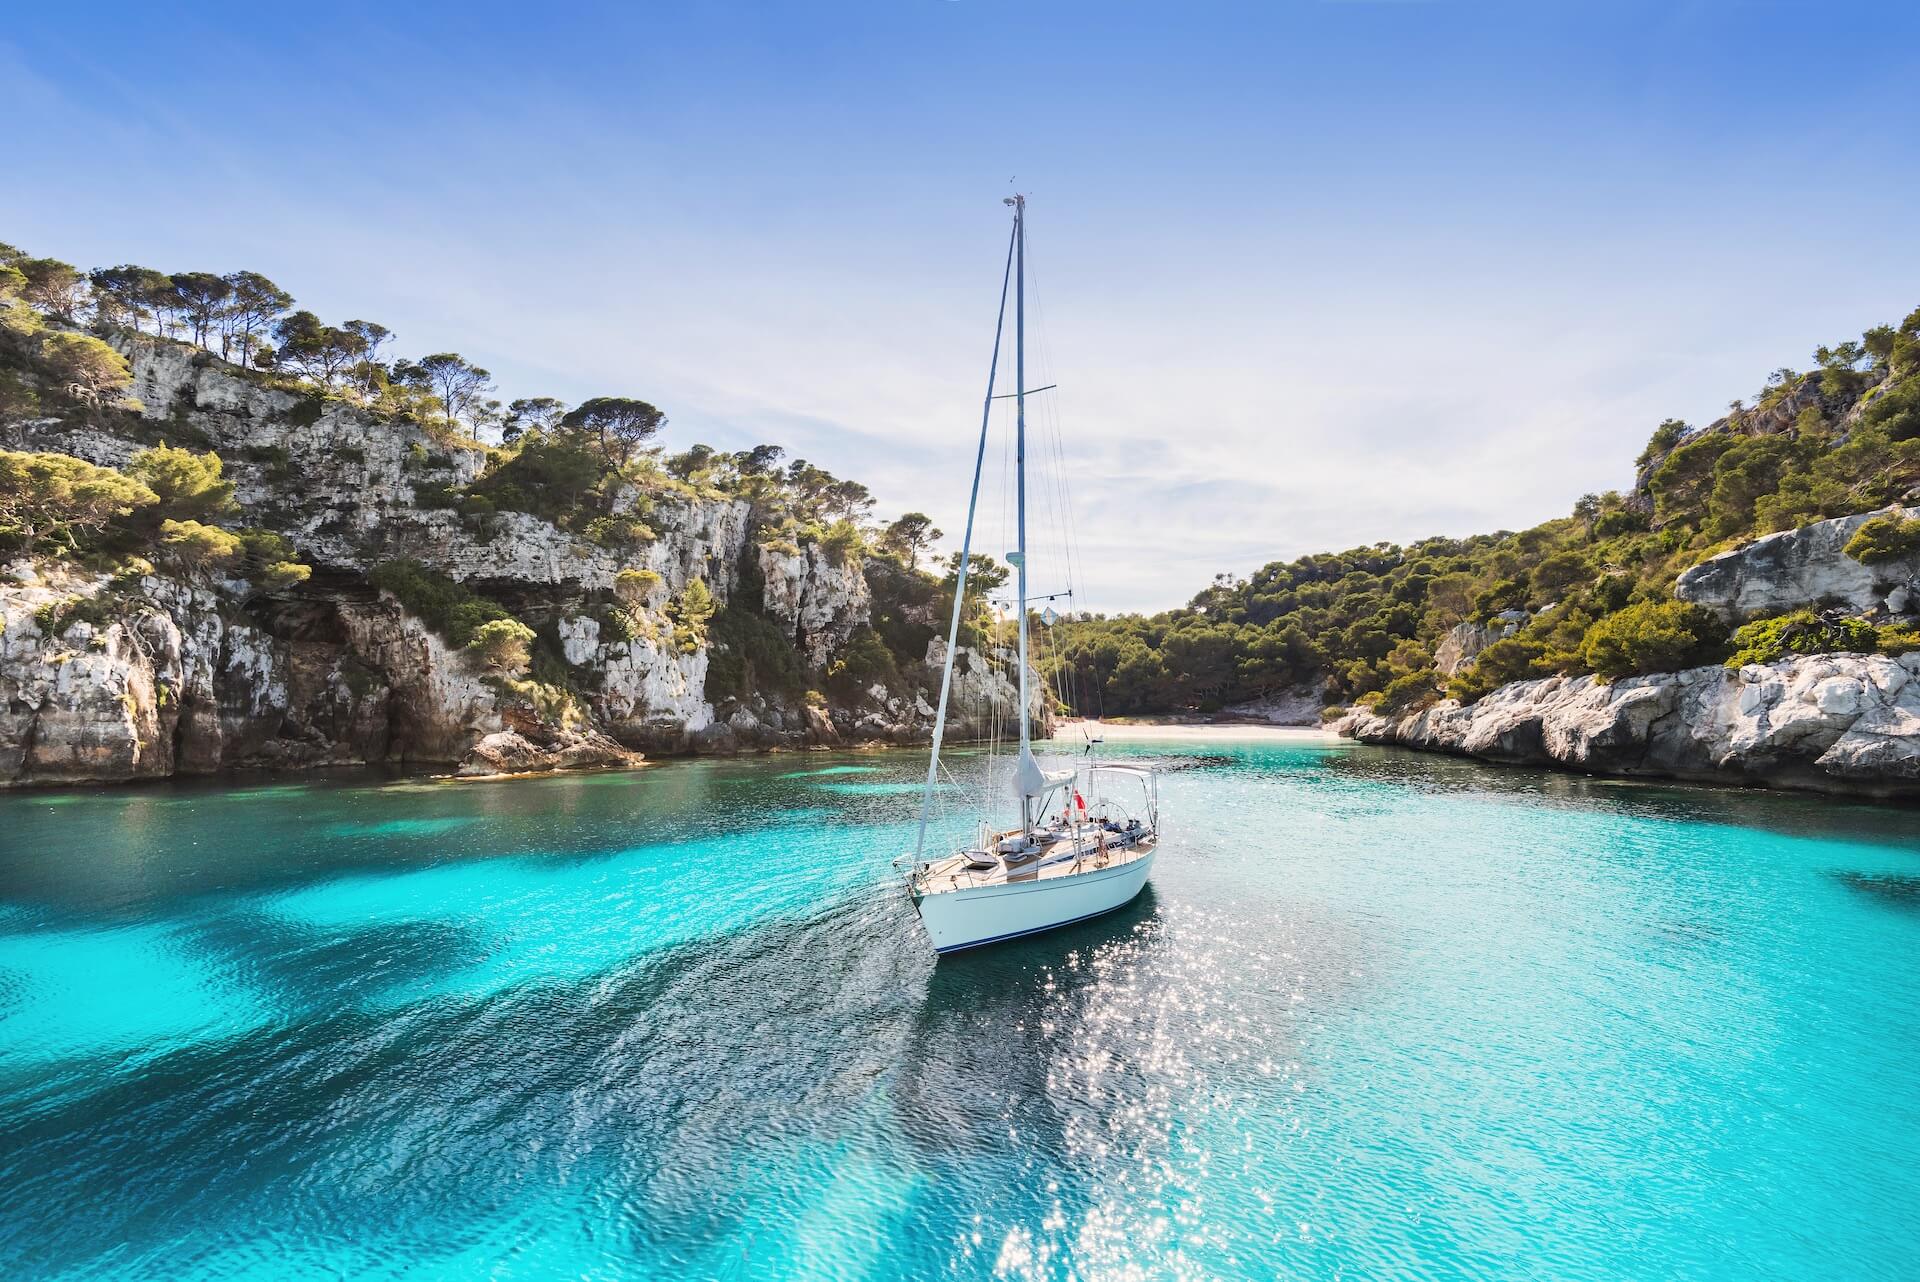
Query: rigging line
point(1054, 436)
point(966, 543)
point(1068, 555)
point(1085, 601)
point(1065, 517)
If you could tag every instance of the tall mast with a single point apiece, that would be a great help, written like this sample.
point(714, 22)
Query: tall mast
point(960, 576)
point(1020, 466)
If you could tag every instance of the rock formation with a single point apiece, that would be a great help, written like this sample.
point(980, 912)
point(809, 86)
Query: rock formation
point(1464, 641)
point(152, 674)
point(1829, 723)
point(1800, 568)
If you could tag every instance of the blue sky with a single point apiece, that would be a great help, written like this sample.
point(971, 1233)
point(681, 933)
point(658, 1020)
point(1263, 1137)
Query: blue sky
point(1311, 274)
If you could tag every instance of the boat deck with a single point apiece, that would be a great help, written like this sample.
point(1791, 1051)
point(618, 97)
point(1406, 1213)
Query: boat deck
point(1055, 861)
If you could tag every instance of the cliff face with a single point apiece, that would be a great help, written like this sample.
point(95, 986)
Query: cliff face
point(1829, 723)
point(156, 675)
point(1802, 568)
point(1843, 723)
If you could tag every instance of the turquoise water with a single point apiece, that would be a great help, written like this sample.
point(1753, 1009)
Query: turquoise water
point(1378, 1016)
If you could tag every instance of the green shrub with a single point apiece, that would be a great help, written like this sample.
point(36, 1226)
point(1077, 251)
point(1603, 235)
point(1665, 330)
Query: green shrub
point(267, 560)
point(863, 662)
point(435, 495)
point(690, 613)
point(1557, 574)
point(1515, 658)
point(84, 364)
point(505, 645)
point(1898, 638)
point(617, 532)
point(842, 541)
point(58, 501)
point(1684, 481)
point(190, 486)
point(750, 653)
point(1884, 538)
point(261, 547)
point(1506, 594)
point(551, 479)
point(449, 608)
point(636, 587)
point(18, 397)
point(551, 702)
point(1332, 712)
point(56, 617)
point(618, 625)
point(127, 575)
point(1619, 521)
point(1653, 636)
point(1664, 438)
point(281, 574)
point(1410, 692)
point(197, 548)
point(1897, 412)
point(1800, 632)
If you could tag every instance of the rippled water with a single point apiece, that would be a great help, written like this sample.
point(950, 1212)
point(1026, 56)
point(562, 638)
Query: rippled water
point(1378, 1015)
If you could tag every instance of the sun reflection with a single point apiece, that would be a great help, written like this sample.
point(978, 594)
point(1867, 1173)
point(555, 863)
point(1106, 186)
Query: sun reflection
point(1159, 1074)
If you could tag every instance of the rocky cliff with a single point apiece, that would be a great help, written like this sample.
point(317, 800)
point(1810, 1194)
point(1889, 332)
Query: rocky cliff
point(143, 674)
point(1805, 568)
point(1830, 723)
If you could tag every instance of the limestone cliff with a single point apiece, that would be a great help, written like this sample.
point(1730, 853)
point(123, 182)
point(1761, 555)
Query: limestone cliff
point(1802, 568)
point(1830, 723)
point(152, 674)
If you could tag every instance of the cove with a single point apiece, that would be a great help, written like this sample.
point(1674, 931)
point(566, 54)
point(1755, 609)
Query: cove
point(1377, 1015)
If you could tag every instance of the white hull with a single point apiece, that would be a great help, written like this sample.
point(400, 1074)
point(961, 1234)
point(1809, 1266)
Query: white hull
point(958, 919)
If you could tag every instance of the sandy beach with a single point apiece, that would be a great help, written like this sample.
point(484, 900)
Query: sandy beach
point(1190, 732)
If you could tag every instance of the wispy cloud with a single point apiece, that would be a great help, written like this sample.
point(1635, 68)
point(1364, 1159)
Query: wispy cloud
point(1307, 279)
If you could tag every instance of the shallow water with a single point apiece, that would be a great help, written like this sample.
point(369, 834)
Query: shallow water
point(1378, 1015)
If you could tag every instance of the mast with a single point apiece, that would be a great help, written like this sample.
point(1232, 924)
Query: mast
point(1020, 472)
point(966, 549)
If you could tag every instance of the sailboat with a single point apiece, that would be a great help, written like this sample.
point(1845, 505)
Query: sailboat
point(1079, 849)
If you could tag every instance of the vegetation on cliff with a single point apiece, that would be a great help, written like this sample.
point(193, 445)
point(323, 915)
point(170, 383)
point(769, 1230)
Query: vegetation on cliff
point(595, 471)
point(1589, 592)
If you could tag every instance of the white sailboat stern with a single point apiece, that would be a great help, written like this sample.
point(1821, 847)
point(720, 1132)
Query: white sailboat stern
point(968, 918)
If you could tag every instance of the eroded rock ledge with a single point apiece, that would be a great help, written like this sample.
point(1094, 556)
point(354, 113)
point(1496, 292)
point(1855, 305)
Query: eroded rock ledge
point(1835, 723)
point(1795, 569)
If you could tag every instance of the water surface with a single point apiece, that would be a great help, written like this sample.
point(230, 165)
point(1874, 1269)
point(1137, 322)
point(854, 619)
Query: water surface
point(1378, 1015)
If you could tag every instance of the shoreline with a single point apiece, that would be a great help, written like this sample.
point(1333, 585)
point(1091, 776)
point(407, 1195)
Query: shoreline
point(1150, 729)
point(1835, 724)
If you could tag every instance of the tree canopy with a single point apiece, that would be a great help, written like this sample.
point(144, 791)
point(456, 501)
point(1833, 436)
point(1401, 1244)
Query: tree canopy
point(620, 424)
